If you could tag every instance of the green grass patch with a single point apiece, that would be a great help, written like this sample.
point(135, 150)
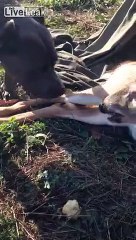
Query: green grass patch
point(13, 136)
point(59, 21)
point(74, 4)
point(8, 229)
point(58, 5)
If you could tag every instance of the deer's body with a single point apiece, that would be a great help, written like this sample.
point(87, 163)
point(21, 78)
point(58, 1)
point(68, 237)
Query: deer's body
point(119, 89)
point(120, 78)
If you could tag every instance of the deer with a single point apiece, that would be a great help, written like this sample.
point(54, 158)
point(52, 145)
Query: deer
point(112, 103)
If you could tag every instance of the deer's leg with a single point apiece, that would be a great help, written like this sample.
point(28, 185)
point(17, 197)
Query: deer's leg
point(47, 112)
point(67, 110)
point(91, 96)
point(19, 106)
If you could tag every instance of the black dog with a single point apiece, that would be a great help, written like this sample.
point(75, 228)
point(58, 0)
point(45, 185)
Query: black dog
point(28, 55)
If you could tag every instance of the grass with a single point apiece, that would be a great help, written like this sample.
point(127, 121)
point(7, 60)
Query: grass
point(74, 17)
point(46, 163)
point(78, 24)
point(8, 229)
point(77, 4)
point(71, 164)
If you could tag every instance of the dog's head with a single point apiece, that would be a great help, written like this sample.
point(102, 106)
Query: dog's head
point(28, 56)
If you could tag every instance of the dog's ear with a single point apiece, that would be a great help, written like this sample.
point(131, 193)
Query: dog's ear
point(39, 19)
point(8, 36)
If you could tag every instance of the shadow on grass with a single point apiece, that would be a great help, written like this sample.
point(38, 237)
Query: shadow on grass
point(100, 174)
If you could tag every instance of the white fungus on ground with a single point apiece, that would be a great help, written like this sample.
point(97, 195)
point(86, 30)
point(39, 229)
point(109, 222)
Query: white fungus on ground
point(71, 209)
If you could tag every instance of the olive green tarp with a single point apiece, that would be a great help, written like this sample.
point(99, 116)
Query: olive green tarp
point(81, 64)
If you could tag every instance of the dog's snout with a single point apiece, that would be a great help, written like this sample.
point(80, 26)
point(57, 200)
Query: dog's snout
point(111, 109)
point(103, 108)
point(56, 92)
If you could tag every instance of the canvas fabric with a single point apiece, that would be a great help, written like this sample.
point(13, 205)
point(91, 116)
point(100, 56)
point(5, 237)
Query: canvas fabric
point(81, 63)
